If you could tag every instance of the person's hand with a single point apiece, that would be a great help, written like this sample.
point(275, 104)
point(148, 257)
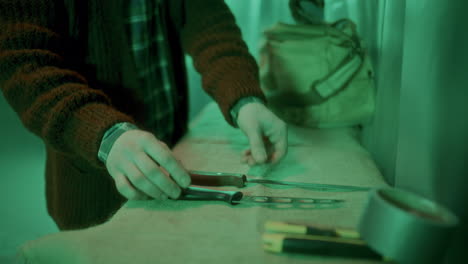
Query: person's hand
point(144, 167)
point(267, 134)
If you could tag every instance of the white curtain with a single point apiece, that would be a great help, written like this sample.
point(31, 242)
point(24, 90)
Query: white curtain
point(419, 136)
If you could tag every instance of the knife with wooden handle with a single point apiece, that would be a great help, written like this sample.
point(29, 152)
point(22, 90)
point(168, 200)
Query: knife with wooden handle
point(241, 180)
point(236, 197)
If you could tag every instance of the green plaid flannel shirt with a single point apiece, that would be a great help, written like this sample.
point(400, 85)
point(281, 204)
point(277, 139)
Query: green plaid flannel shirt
point(150, 51)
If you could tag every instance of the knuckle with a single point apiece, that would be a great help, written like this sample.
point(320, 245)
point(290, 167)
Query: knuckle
point(163, 144)
point(126, 191)
point(138, 179)
point(120, 186)
point(153, 172)
point(168, 187)
point(162, 183)
point(147, 186)
point(165, 159)
point(119, 181)
point(155, 175)
point(112, 170)
point(282, 125)
point(141, 158)
point(163, 147)
point(133, 195)
point(146, 136)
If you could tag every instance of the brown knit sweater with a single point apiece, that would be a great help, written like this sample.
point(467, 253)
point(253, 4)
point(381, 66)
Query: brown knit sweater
point(67, 72)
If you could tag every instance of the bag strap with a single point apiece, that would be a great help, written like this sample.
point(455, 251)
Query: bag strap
point(337, 79)
point(311, 15)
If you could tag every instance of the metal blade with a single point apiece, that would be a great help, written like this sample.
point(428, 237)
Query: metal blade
point(294, 202)
point(313, 186)
point(235, 197)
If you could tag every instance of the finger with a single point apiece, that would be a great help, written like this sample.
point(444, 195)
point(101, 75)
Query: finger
point(277, 156)
point(143, 184)
point(256, 145)
point(280, 143)
point(248, 158)
point(163, 155)
point(244, 155)
point(154, 173)
point(126, 189)
point(251, 161)
point(244, 159)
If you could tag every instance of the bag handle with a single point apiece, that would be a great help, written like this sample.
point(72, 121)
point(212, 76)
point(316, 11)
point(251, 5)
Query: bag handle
point(337, 79)
point(322, 89)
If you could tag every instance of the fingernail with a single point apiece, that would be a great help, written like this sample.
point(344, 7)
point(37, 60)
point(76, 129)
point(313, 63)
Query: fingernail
point(186, 182)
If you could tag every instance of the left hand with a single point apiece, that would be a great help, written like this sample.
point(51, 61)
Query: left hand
point(267, 134)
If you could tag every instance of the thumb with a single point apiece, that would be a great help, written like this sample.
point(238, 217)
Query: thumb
point(256, 145)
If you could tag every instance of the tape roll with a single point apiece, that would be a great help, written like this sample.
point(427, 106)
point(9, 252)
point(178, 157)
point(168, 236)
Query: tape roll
point(405, 227)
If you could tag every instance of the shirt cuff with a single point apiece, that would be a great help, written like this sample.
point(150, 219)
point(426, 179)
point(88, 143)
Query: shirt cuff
point(241, 102)
point(109, 138)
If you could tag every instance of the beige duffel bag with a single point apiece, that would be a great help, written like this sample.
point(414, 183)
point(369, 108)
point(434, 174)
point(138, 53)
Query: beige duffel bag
point(317, 75)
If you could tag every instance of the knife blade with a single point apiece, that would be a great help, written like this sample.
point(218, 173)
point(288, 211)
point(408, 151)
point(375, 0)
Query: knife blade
point(241, 180)
point(237, 197)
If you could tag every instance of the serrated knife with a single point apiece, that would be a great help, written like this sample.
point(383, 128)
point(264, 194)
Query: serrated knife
point(237, 197)
point(241, 180)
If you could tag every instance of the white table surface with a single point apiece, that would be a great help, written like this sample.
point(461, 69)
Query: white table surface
point(216, 232)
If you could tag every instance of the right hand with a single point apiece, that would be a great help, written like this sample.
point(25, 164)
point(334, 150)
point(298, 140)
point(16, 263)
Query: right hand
point(144, 167)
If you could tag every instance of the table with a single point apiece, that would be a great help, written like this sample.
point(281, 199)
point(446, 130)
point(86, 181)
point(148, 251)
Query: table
point(216, 232)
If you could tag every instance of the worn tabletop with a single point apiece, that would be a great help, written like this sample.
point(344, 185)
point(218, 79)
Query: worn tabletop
point(216, 232)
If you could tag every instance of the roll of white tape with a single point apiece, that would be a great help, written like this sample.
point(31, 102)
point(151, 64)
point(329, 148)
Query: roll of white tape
point(405, 227)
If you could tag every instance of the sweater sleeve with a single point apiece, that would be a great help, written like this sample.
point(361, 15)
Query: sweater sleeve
point(213, 39)
point(51, 100)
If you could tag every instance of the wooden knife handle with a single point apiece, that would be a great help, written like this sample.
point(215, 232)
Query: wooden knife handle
point(218, 180)
point(202, 194)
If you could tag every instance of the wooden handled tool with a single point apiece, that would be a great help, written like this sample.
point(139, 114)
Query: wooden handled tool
point(241, 180)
